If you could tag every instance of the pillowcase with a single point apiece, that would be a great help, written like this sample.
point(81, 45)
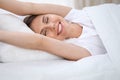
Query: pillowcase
point(10, 53)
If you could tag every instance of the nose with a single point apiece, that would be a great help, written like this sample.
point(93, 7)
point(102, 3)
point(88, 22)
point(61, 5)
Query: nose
point(51, 25)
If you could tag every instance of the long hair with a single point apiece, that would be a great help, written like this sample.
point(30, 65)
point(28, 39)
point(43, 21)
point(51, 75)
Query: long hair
point(28, 20)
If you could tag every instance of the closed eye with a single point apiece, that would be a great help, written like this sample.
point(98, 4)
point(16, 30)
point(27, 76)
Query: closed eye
point(43, 32)
point(45, 19)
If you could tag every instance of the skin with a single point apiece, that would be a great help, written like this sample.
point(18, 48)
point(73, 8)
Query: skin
point(51, 42)
point(55, 26)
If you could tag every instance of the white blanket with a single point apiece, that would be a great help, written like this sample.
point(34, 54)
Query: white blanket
point(106, 19)
point(101, 67)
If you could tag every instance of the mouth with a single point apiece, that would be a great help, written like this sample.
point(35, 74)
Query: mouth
point(59, 29)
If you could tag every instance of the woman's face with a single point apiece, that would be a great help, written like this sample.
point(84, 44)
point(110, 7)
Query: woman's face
point(51, 25)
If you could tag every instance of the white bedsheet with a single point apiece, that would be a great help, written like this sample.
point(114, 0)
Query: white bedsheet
point(91, 68)
point(101, 67)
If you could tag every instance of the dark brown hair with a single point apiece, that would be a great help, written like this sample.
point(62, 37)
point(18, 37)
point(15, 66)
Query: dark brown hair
point(28, 20)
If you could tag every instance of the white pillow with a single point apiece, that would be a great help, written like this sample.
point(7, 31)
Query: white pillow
point(9, 53)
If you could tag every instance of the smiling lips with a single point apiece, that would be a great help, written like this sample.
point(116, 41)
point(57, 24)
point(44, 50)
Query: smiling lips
point(59, 29)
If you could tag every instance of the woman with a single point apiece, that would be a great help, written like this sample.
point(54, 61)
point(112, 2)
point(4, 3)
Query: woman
point(51, 29)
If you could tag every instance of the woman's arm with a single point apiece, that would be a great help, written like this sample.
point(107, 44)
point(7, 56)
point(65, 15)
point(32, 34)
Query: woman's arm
point(40, 42)
point(28, 8)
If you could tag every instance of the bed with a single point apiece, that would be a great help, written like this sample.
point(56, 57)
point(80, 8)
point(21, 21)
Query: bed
point(24, 66)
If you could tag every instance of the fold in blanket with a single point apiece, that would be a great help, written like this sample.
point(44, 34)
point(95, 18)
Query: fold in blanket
point(106, 19)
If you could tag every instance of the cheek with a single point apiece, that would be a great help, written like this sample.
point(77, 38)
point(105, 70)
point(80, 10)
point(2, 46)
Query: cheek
point(35, 29)
point(66, 24)
point(51, 34)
